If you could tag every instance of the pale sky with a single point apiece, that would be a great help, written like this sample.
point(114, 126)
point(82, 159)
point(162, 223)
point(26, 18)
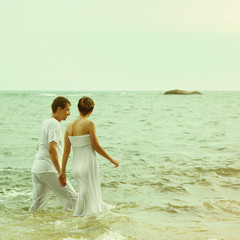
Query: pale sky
point(119, 44)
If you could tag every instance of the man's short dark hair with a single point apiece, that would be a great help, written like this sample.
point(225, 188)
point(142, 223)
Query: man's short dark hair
point(59, 102)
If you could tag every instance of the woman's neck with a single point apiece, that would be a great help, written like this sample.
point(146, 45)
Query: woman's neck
point(84, 116)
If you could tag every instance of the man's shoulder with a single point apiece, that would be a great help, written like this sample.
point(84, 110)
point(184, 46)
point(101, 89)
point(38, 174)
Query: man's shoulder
point(51, 123)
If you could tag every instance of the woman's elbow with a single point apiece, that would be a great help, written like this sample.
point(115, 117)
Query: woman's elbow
point(97, 147)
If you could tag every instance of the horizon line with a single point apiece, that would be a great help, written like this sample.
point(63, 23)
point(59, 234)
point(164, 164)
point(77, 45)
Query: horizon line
point(113, 90)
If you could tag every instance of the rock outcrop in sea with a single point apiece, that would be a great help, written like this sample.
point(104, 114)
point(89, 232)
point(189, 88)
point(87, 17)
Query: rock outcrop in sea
point(177, 91)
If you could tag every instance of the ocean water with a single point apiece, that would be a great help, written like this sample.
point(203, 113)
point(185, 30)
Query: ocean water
point(179, 173)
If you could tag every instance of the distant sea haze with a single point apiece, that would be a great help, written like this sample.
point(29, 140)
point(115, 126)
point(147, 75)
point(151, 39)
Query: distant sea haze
point(179, 167)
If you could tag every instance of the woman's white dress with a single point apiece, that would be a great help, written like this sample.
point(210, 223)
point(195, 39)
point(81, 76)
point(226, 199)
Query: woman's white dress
point(86, 173)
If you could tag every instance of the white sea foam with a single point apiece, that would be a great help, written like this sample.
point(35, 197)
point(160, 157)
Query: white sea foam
point(128, 93)
point(111, 235)
point(110, 213)
point(14, 193)
point(69, 238)
point(66, 95)
point(48, 94)
point(78, 94)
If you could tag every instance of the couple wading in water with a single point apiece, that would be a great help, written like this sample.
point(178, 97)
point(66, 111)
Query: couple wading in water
point(47, 176)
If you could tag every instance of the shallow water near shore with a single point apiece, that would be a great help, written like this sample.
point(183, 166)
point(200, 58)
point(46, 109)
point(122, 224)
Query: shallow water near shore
point(179, 173)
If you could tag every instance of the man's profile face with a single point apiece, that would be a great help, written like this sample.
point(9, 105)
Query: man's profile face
point(65, 112)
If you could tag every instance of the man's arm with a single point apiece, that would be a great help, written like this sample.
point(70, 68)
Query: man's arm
point(67, 150)
point(52, 148)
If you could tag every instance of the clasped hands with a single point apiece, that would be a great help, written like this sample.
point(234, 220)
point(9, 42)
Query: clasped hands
point(62, 179)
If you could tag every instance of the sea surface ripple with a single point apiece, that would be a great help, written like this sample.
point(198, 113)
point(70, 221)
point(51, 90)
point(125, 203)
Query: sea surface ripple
point(179, 173)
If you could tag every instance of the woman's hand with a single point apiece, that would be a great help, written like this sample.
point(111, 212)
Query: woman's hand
point(115, 162)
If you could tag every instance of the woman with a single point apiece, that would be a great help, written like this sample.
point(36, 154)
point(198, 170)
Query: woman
point(81, 134)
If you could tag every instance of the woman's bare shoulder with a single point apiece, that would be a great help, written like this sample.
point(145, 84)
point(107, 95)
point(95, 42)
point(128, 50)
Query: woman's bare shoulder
point(90, 122)
point(69, 126)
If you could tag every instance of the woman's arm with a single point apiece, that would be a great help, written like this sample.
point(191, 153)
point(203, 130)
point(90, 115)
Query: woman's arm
point(97, 147)
point(67, 150)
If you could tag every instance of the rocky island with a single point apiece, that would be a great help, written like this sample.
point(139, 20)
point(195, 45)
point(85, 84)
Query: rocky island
point(181, 92)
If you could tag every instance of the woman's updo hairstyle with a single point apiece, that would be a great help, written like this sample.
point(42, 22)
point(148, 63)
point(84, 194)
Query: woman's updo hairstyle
point(85, 105)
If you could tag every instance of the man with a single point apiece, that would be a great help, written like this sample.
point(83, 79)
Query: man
point(46, 167)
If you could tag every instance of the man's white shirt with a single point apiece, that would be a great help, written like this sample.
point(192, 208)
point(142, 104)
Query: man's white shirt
point(50, 131)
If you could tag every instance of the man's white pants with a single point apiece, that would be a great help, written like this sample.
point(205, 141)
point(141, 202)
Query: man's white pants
point(43, 186)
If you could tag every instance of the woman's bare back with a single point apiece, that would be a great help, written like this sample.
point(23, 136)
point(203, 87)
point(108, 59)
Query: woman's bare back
point(78, 127)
